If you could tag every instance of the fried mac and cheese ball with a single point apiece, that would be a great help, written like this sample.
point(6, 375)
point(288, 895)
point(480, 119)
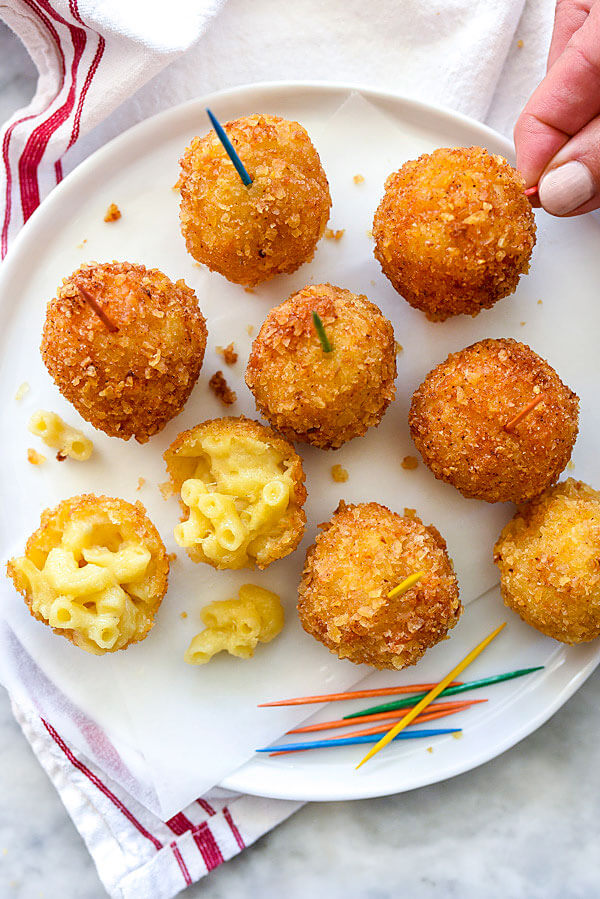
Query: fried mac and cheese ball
point(362, 553)
point(249, 234)
point(549, 561)
point(129, 382)
point(454, 231)
point(316, 397)
point(459, 416)
point(96, 571)
point(242, 492)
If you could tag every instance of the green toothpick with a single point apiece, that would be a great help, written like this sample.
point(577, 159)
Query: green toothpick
point(449, 691)
point(327, 348)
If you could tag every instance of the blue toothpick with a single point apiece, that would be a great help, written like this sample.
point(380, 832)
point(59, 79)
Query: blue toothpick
point(229, 149)
point(352, 741)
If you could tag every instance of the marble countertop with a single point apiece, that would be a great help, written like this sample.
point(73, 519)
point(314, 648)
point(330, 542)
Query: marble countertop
point(521, 827)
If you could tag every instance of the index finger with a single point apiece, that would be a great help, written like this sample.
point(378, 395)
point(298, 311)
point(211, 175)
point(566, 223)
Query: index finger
point(566, 100)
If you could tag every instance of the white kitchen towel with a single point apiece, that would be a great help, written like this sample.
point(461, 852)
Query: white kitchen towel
point(103, 67)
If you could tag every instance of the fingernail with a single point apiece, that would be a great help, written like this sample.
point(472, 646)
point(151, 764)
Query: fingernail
point(565, 188)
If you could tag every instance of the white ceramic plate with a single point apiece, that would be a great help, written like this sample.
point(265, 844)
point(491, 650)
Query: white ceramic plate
point(372, 135)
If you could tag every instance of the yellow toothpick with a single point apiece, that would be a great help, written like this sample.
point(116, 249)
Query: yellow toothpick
point(406, 584)
point(433, 694)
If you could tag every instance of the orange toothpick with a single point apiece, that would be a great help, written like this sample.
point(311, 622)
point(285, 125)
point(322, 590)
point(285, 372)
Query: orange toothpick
point(382, 716)
point(353, 694)
point(95, 305)
point(433, 694)
point(524, 411)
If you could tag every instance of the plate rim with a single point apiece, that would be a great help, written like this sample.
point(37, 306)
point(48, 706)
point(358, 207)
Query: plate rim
point(271, 783)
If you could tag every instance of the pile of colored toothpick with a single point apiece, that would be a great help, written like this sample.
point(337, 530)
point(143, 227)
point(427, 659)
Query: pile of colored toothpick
point(394, 718)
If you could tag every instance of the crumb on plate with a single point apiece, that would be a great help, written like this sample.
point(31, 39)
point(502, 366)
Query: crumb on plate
point(330, 234)
point(249, 330)
point(221, 389)
point(398, 347)
point(339, 474)
point(113, 213)
point(228, 353)
point(409, 463)
point(35, 458)
point(183, 615)
point(167, 489)
point(358, 179)
point(140, 483)
point(22, 389)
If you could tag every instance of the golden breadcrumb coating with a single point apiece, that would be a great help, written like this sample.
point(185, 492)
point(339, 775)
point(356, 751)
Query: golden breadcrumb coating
point(454, 231)
point(249, 234)
point(458, 415)
point(230, 455)
point(107, 524)
point(323, 398)
point(130, 382)
point(363, 552)
point(549, 561)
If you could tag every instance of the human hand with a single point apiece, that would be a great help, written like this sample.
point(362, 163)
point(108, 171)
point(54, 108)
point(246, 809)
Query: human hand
point(557, 136)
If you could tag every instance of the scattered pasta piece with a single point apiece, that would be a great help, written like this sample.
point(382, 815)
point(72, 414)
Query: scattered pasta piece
point(113, 213)
point(228, 353)
point(339, 474)
point(95, 571)
point(70, 442)
point(237, 626)
point(140, 483)
point(430, 749)
point(221, 389)
point(330, 234)
point(410, 463)
point(358, 179)
point(35, 458)
point(22, 389)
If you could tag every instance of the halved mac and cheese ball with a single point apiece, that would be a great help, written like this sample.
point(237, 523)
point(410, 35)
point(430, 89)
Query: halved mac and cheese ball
point(249, 234)
point(96, 571)
point(361, 555)
point(131, 381)
point(237, 626)
point(316, 397)
point(242, 492)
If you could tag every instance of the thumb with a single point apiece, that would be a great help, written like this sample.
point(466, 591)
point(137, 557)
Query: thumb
point(570, 184)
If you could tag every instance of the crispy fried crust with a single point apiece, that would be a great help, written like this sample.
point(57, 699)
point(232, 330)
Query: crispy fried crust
point(454, 231)
point(249, 234)
point(180, 467)
point(129, 383)
point(549, 561)
point(133, 519)
point(323, 398)
point(457, 419)
point(363, 552)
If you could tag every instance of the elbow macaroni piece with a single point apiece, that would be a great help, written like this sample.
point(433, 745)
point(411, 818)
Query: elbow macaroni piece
point(59, 435)
point(242, 490)
point(237, 626)
point(95, 571)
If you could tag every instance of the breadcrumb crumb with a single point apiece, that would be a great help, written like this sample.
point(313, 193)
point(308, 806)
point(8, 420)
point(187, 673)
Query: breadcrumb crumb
point(519, 44)
point(398, 347)
point(221, 389)
point(539, 302)
point(522, 323)
point(228, 353)
point(140, 483)
point(358, 179)
point(339, 474)
point(570, 465)
point(410, 513)
point(330, 234)
point(35, 458)
point(249, 290)
point(410, 463)
point(249, 330)
point(22, 389)
point(113, 213)
point(167, 489)
point(183, 615)
point(172, 557)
